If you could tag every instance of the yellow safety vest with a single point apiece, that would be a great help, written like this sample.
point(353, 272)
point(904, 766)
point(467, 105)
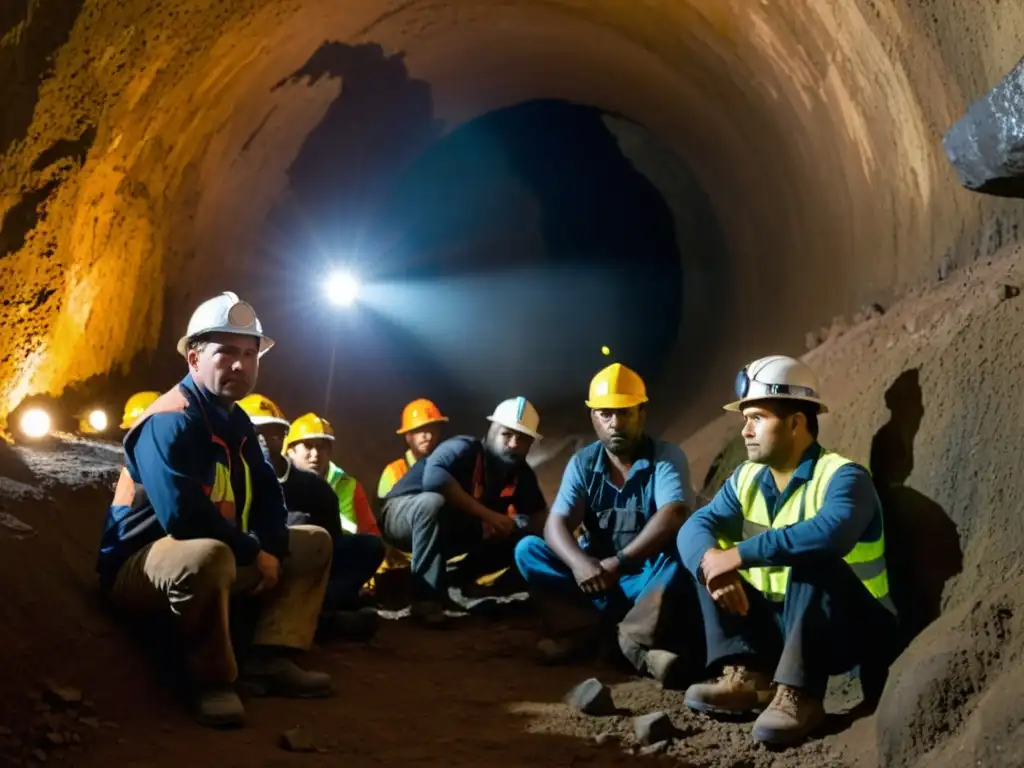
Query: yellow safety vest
point(867, 558)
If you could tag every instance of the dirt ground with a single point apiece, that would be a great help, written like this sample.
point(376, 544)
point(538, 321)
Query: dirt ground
point(469, 695)
point(944, 465)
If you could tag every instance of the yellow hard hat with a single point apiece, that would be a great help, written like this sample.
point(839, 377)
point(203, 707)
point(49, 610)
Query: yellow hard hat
point(136, 406)
point(308, 426)
point(616, 387)
point(418, 414)
point(262, 410)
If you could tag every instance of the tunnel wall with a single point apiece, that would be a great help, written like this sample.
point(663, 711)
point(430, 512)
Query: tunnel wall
point(147, 144)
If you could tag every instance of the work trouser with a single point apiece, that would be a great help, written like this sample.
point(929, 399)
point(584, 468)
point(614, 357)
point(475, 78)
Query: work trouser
point(433, 531)
point(649, 605)
point(197, 577)
point(357, 556)
point(828, 624)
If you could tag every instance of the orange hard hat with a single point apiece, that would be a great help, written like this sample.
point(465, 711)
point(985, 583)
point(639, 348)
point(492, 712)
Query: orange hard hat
point(419, 413)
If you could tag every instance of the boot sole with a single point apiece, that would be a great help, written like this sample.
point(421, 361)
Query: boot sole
point(710, 709)
point(784, 739)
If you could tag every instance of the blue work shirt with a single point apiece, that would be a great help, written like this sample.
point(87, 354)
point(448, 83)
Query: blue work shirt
point(614, 516)
point(850, 509)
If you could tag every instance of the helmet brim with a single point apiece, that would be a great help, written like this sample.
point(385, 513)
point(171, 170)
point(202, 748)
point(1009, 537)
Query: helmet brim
point(265, 341)
point(516, 428)
point(739, 405)
point(259, 421)
point(615, 402)
point(414, 427)
point(304, 438)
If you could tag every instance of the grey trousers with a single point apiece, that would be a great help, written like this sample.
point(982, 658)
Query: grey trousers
point(433, 531)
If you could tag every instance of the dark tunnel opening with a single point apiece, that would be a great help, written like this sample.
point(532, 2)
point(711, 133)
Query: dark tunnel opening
point(523, 220)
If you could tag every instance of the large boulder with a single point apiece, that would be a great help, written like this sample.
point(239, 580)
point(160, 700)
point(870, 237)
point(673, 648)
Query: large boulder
point(954, 697)
point(986, 146)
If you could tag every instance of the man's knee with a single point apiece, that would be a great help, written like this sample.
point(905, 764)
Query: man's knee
point(202, 564)
point(310, 548)
point(363, 548)
point(529, 553)
point(428, 507)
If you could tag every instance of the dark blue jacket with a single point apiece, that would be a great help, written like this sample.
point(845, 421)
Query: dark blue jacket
point(184, 460)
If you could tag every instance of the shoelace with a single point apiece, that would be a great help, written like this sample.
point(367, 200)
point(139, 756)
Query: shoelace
point(787, 700)
point(738, 675)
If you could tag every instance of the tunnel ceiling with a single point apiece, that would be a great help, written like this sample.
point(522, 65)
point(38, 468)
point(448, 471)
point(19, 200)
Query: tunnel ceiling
point(149, 146)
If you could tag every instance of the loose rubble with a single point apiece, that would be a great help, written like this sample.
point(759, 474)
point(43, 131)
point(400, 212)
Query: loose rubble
point(591, 697)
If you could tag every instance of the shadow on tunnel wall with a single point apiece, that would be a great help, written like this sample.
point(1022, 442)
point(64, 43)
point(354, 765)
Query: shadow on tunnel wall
point(922, 544)
point(26, 59)
point(380, 121)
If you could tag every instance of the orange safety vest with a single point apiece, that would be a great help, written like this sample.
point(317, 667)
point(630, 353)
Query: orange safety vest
point(394, 472)
point(219, 491)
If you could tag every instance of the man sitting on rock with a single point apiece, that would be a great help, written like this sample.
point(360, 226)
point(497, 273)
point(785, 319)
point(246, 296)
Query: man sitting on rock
point(198, 517)
point(311, 500)
point(632, 494)
point(791, 556)
point(469, 496)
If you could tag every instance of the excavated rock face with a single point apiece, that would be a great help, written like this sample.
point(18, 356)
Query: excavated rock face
point(153, 152)
point(986, 145)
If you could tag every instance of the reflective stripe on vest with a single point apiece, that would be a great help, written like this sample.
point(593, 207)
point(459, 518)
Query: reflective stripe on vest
point(222, 494)
point(344, 488)
point(866, 559)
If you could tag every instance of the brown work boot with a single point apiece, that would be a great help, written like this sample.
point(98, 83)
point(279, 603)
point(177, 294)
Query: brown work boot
point(790, 717)
point(280, 676)
point(739, 690)
point(219, 707)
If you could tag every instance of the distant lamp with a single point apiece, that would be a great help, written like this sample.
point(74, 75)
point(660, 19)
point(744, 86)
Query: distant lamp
point(98, 420)
point(35, 423)
point(341, 288)
point(605, 351)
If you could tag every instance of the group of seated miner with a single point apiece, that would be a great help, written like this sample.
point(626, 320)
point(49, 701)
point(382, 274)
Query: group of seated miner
point(776, 583)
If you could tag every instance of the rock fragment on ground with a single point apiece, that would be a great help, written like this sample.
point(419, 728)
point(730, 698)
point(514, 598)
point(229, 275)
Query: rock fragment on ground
point(591, 697)
point(653, 728)
point(297, 740)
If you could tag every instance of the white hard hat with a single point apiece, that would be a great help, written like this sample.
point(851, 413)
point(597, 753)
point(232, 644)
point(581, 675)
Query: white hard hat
point(518, 414)
point(225, 313)
point(776, 377)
